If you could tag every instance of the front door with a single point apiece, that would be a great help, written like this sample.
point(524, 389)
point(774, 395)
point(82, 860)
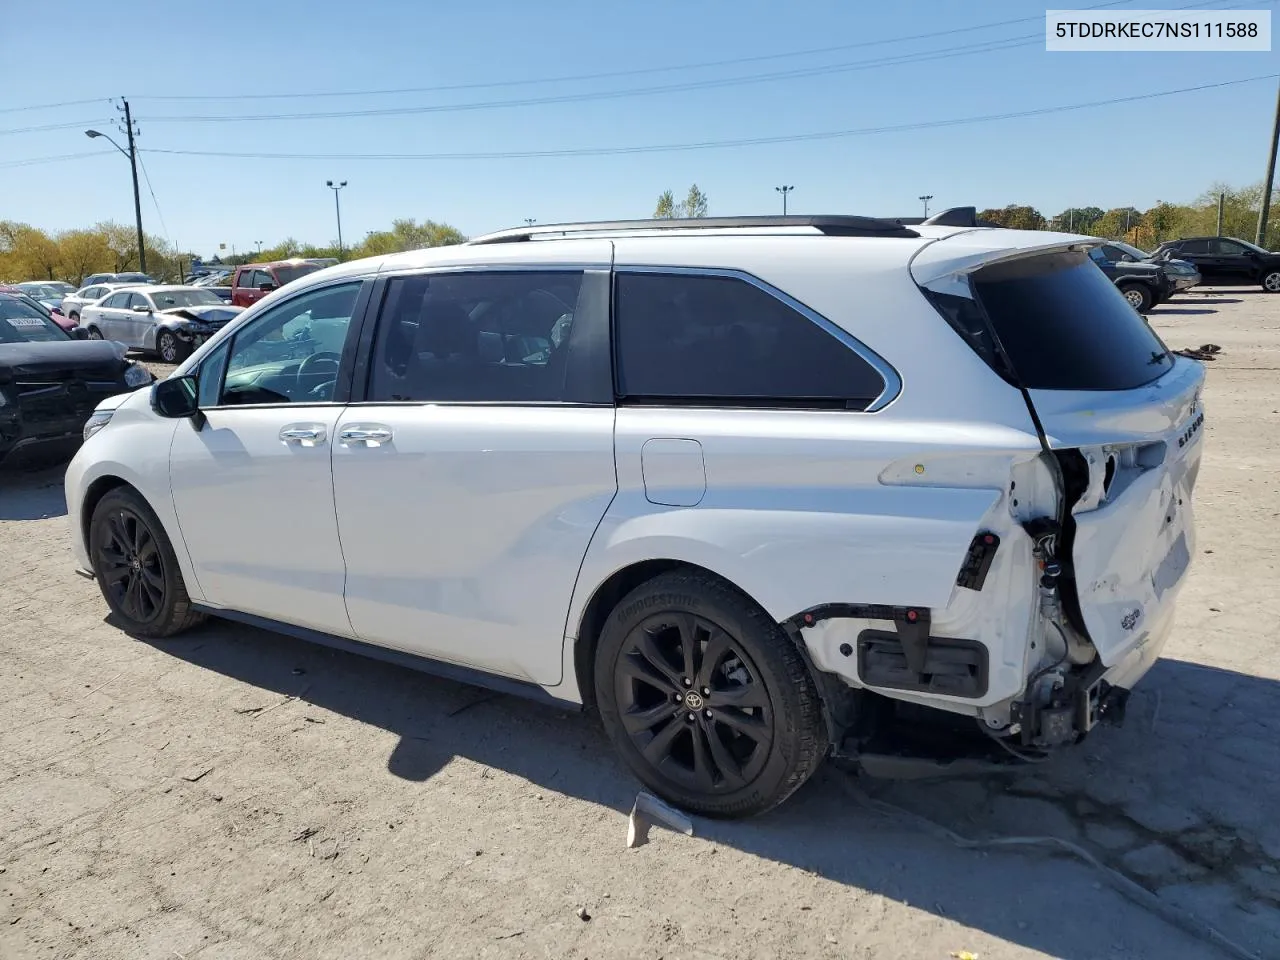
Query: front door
point(1235, 262)
point(471, 478)
point(136, 321)
point(252, 484)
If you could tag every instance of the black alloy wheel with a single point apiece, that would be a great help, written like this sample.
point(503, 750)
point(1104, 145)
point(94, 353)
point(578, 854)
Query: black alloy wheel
point(693, 703)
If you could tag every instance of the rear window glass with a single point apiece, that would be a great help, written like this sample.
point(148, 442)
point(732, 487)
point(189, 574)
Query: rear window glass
point(291, 272)
point(1062, 324)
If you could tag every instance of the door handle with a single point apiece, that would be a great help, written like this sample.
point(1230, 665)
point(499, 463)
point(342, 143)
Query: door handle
point(306, 436)
point(369, 436)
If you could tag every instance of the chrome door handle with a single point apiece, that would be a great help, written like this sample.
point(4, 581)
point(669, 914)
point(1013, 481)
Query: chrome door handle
point(369, 436)
point(304, 436)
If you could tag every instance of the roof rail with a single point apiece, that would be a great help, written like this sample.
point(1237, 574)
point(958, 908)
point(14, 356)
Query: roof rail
point(951, 217)
point(832, 226)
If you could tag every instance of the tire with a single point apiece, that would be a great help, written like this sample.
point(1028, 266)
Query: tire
point(1271, 281)
point(73, 317)
point(1138, 295)
point(136, 569)
point(748, 676)
point(170, 348)
point(95, 333)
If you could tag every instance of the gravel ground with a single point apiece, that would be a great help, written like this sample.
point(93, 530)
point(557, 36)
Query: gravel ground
point(237, 794)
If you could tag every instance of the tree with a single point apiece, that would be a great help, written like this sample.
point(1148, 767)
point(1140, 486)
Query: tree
point(83, 252)
point(407, 234)
point(1079, 219)
point(1015, 217)
point(694, 205)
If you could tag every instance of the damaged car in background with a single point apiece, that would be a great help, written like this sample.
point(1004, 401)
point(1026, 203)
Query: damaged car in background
point(50, 383)
point(168, 321)
point(759, 490)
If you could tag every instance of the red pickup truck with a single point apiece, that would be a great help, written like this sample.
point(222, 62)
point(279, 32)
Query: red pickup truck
point(253, 281)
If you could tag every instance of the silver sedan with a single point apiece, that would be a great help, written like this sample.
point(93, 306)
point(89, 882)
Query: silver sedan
point(171, 320)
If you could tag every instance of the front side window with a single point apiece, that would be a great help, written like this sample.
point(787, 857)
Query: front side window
point(291, 353)
point(475, 337)
point(1193, 247)
point(1226, 248)
point(138, 300)
point(716, 340)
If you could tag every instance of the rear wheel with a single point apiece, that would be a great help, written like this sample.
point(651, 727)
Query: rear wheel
point(707, 700)
point(1271, 281)
point(170, 348)
point(74, 317)
point(95, 333)
point(1139, 296)
point(136, 568)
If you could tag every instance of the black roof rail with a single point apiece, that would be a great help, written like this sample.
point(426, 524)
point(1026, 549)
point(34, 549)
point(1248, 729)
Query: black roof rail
point(951, 217)
point(832, 226)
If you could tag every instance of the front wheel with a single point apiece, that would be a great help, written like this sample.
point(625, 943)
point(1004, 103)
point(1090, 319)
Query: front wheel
point(1271, 281)
point(170, 348)
point(707, 700)
point(1139, 297)
point(136, 568)
point(95, 333)
point(74, 317)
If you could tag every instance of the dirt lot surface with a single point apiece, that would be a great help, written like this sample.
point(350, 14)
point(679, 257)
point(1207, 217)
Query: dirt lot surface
point(236, 794)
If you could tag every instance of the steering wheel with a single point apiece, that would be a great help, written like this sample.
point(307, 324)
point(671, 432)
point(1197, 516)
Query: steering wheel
point(318, 364)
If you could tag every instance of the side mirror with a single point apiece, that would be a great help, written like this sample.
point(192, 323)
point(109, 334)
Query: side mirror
point(79, 333)
point(141, 308)
point(266, 287)
point(175, 398)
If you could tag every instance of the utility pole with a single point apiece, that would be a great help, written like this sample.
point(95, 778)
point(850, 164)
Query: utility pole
point(1265, 212)
point(337, 209)
point(1222, 199)
point(784, 191)
point(137, 200)
point(926, 198)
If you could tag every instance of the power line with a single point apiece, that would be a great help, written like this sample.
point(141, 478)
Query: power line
point(54, 126)
point(53, 106)
point(943, 53)
point(940, 54)
point(639, 71)
point(713, 144)
point(154, 202)
point(29, 161)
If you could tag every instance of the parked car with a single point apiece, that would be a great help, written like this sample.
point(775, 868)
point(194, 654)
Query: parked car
point(49, 295)
point(1183, 273)
point(759, 488)
point(219, 283)
point(96, 278)
point(43, 307)
point(1226, 261)
point(50, 382)
point(170, 321)
point(1143, 284)
point(74, 304)
point(253, 281)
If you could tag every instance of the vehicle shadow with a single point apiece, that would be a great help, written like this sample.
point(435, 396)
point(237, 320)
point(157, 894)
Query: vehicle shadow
point(32, 494)
point(1180, 799)
point(1207, 298)
point(1185, 311)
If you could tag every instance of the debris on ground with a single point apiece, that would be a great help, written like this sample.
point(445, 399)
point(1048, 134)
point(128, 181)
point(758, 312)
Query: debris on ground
point(1206, 351)
point(649, 809)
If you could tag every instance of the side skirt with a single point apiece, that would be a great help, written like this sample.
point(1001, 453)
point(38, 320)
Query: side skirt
point(438, 668)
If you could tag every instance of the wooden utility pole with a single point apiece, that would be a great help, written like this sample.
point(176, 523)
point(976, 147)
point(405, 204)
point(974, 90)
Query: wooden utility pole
point(1265, 211)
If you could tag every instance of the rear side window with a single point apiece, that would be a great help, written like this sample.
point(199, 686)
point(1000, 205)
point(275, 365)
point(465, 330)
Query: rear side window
point(1193, 247)
point(1061, 323)
point(722, 341)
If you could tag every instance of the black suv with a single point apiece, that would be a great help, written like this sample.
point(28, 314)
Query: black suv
point(1226, 261)
point(1143, 284)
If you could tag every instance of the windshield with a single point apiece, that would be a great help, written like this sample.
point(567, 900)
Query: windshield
point(41, 291)
point(1130, 250)
point(169, 299)
point(23, 323)
point(132, 278)
point(287, 273)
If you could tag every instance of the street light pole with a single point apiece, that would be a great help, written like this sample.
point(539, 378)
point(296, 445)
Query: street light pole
point(132, 156)
point(337, 208)
point(259, 243)
point(784, 191)
point(530, 221)
point(926, 198)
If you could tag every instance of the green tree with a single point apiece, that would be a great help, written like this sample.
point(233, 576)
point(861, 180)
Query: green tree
point(666, 208)
point(695, 204)
point(83, 252)
point(1015, 217)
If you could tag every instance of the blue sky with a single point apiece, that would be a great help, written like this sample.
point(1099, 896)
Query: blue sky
point(1160, 149)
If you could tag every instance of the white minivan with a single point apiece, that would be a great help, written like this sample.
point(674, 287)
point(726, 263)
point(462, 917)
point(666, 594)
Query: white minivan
point(759, 490)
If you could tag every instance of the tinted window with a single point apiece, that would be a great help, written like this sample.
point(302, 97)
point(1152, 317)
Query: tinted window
point(23, 323)
point(475, 337)
point(116, 301)
point(1226, 248)
point(1064, 326)
point(290, 272)
point(1098, 254)
point(291, 353)
point(1192, 247)
point(723, 340)
point(242, 278)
